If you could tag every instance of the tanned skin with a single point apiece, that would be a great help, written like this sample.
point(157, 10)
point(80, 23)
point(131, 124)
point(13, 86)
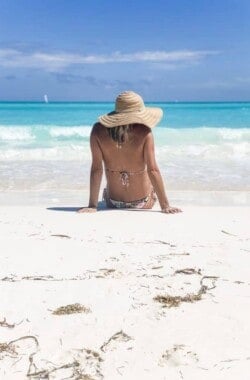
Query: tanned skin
point(132, 156)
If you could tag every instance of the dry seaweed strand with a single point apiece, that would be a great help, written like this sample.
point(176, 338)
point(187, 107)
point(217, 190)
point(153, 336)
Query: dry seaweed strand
point(77, 372)
point(71, 309)
point(10, 348)
point(179, 254)
point(108, 270)
point(9, 279)
point(159, 242)
point(95, 354)
point(174, 301)
point(39, 278)
point(33, 371)
point(86, 275)
point(44, 373)
point(116, 336)
point(61, 236)
point(228, 233)
point(7, 348)
point(188, 271)
point(14, 278)
point(4, 323)
point(151, 275)
point(42, 278)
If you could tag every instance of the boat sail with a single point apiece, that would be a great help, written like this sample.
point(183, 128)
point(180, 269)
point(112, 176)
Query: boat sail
point(46, 98)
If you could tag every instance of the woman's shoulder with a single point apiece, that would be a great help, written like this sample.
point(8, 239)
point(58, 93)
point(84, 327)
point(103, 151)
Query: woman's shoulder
point(97, 129)
point(142, 131)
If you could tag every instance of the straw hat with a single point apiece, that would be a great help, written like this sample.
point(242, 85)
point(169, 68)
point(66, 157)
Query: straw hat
point(130, 109)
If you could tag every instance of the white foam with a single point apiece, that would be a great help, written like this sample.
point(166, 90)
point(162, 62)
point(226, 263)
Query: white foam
point(202, 135)
point(83, 131)
point(234, 134)
point(213, 152)
point(56, 153)
point(15, 133)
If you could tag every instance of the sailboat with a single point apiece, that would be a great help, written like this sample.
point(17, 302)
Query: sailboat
point(46, 100)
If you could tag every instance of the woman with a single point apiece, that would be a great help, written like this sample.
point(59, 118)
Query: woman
point(124, 142)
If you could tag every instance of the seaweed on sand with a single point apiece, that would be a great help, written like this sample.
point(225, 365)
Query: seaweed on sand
point(79, 367)
point(174, 301)
point(188, 271)
point(71, 309)
point(120, 336)
point(4, 323)
point(7, 348)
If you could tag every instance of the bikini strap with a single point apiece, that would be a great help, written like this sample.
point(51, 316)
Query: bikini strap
point(125, 171)
point(124, 175)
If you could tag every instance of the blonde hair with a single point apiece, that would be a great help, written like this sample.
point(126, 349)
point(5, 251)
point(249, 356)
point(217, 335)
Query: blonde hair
point(120, 134)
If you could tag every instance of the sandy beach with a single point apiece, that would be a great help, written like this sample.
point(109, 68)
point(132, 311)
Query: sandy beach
point(124, 294)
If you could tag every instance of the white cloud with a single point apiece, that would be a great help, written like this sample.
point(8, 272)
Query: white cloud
point(233, 83)
point(56, 62)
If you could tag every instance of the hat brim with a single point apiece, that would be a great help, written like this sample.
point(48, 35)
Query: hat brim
point(149, 116)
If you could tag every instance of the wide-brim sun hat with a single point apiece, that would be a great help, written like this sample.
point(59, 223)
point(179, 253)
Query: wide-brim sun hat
point(130, 109)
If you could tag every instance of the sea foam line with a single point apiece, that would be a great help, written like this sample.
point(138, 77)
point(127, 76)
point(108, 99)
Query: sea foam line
point(227, 152)
point(16, 133)
point(83, 131)
point(42, 134)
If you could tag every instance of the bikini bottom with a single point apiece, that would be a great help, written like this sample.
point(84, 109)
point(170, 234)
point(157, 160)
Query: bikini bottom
point(146, 202)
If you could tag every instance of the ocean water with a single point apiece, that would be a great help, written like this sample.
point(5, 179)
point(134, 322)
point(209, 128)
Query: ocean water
point(199, 146)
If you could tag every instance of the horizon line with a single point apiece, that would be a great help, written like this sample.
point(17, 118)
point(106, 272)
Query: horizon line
point(113, 101)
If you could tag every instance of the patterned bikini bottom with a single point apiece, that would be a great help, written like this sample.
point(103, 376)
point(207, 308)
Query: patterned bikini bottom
point(140, 203)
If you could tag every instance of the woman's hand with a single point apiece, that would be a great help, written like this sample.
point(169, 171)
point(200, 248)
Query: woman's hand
point(87, 210)
point(171, 210)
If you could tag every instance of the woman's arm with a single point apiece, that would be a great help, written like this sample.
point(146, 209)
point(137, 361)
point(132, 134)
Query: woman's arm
point(155, 175)
point(95, 172)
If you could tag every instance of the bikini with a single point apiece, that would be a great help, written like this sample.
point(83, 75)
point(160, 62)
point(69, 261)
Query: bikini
point(124, 177)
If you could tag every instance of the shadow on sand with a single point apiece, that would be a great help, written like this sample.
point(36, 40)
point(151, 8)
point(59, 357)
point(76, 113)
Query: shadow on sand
point(69, 209)
point(101, 207)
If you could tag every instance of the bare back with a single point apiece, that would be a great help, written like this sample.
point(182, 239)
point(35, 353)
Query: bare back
point(128, 157)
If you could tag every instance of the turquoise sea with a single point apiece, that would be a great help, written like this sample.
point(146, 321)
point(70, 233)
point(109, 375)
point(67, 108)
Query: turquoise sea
point(199, 146)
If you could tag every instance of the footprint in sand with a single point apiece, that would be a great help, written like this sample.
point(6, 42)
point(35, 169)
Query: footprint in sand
point(178, 355)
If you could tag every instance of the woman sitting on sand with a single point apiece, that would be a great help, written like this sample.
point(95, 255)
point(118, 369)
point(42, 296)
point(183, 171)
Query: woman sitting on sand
point(124, 142)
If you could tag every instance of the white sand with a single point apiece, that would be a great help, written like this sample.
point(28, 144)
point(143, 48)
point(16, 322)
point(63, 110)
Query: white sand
point(115, 263)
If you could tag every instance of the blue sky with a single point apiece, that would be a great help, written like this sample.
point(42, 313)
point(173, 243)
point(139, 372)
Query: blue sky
point(94, 49)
